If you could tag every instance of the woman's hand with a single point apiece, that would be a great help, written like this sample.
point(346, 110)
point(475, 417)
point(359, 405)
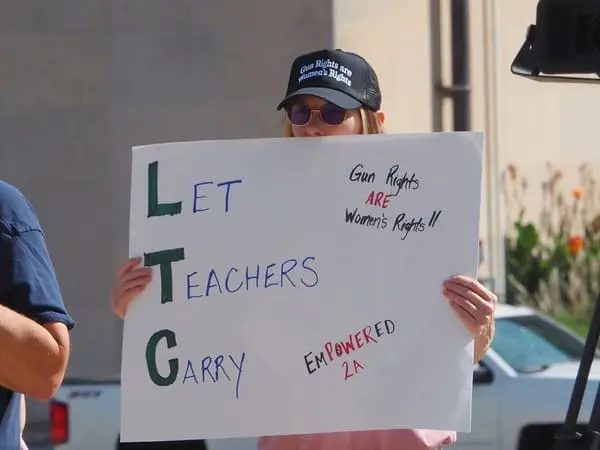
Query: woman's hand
point(474, 304)
point(131, 280)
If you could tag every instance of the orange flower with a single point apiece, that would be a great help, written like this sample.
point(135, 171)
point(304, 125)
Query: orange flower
point(577, 193)
point(575, 244)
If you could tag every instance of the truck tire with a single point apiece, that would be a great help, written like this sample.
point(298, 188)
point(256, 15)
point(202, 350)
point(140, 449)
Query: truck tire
point(167, 445)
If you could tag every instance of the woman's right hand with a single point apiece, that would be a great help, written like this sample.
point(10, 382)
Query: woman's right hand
point(131, 280)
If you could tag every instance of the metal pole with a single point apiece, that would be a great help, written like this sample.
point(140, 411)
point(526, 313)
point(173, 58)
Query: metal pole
point(435, 37)
point(494, 163)
point(459, 16)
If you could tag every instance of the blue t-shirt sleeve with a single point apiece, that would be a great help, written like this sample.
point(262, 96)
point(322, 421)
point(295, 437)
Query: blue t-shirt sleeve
point(28, 279)
point(28, 283)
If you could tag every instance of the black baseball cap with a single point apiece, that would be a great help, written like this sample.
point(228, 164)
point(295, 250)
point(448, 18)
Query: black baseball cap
point(342, 78)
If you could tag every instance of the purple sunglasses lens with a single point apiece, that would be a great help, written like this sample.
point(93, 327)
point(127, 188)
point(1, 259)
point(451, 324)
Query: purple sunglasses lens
point(299, 115)
point(332, 114)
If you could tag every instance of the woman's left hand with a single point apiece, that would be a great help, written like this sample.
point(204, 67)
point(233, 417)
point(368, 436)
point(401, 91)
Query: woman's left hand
point(474, 304)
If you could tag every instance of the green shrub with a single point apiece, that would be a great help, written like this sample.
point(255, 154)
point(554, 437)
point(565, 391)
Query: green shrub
point(553, 263)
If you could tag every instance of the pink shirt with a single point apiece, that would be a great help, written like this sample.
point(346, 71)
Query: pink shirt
point(361, 440)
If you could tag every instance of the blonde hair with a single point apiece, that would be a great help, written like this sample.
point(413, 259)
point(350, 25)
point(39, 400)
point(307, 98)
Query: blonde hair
point(369, 119)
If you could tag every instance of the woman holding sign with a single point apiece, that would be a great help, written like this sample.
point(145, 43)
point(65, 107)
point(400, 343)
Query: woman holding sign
point(332, 92)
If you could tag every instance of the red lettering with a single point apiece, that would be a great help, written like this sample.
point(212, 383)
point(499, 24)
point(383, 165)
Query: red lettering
point(386, 201)
point(346, 374)
point(356, 366)
point(349, 345)
point(355, 341)
point(378, 199)
point(367, 334)
point(370, 198)
point(357, 337)
point(329, 350)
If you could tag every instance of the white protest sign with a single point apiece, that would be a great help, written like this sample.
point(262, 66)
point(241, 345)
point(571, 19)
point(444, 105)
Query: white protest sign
point(298, 286)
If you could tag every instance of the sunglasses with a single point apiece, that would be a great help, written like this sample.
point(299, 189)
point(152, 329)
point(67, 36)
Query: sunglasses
point(329, 113)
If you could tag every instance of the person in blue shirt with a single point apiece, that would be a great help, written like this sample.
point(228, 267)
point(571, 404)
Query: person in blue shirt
point(34, 324)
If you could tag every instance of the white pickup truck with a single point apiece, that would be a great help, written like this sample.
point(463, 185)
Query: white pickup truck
point(522, 389)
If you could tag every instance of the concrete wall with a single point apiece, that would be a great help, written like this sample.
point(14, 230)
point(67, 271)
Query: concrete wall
point(82, 82)
point(542, 122)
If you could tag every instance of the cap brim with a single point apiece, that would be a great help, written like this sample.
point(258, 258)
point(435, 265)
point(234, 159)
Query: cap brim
point(336, 97)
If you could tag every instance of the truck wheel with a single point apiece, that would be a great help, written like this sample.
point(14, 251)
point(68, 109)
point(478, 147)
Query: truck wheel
point(169, 445)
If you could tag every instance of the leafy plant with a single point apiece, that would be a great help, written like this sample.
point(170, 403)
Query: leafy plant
point(552, 263)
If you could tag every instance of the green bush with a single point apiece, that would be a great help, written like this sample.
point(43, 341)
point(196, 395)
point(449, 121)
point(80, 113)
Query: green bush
point(553, 263)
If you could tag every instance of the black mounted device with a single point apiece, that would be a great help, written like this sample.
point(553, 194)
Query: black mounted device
point(564, 43)
point(563, 46)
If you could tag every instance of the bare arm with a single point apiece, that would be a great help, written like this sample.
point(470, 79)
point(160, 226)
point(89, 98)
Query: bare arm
point(483, 341)
point(34, 323)
point(474, 305)
point(33, 357)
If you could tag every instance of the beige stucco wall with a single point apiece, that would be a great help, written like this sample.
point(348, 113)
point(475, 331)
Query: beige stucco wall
point(394, 37)
point(542, 122)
